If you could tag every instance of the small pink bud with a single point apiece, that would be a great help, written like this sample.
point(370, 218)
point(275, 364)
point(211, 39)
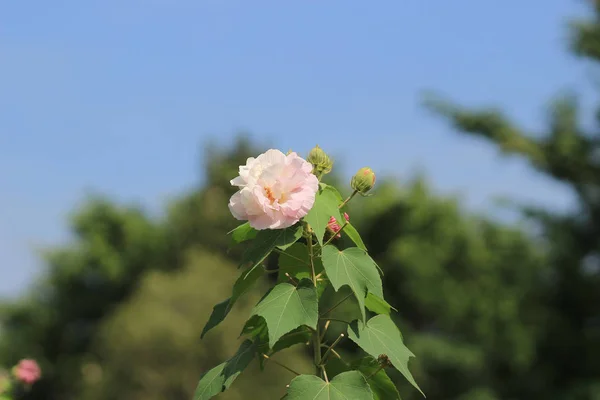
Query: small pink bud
point(335, 227)
point(27, 371)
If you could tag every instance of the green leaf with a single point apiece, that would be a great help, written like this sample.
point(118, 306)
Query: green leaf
point(333, 189)
point(266, 240)
point(352, 267)
point(241, 286)
point(297, 336)
point(350, 385)
point(211, 383)
point(217, 316)
point(296, 262)
point(382, 386)
point(353, 234)
point(381, 336)
point(222, 376)
point(377, 305)
point(240, 360)
point(325, 207)
point(256, 327)
point(242, 233)
point(336, 366)
point(245, 281)
point(287, 307)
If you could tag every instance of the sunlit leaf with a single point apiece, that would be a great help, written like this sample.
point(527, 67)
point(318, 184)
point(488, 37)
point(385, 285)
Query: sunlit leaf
point(352, 267)
point(381, 336)
point(350, 385)
point(211, 383)
point(377, 305)
point(287, 307)
point(325, 207)
point(353, 234)
point(242, 233)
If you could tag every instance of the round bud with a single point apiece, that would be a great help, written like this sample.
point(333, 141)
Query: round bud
point(320, 161)
point(363, 181)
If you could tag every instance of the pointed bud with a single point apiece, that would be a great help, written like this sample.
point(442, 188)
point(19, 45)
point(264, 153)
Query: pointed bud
point(363, 181)
point(320, 161)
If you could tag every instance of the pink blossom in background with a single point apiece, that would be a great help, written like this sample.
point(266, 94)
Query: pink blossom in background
point(335, 227)
point(27, 371)
point(276, 190)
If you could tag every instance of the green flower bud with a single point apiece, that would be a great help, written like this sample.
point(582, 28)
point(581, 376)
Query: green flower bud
point(363, 181)
point(320, 161)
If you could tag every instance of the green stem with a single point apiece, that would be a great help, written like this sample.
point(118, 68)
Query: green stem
point(348, 199)
point(330, 348)
point(316, 333)
point(376, 372)
point(333, 236)
point(280, 364)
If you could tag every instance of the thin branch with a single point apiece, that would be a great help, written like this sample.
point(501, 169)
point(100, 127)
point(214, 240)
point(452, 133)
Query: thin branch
point(292, 280)
point(335, 353)
point(271, 271)
point(334, 235)
point(331, 348)
point(348, 199)
point(324, 373)
point(336, 305)
point(336, 320)
point(376, 372)
point(281, 365)
point(325, 329)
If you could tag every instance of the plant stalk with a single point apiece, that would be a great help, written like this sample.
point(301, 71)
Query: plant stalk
point(316, 333)
point(348, 199)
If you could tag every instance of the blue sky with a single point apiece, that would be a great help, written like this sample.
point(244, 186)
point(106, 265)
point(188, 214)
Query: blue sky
point(116, 96)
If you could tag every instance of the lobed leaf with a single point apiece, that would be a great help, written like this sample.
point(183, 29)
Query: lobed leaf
point(352, 267)
point(350, 385)
point(381, 336)
point(287, 307)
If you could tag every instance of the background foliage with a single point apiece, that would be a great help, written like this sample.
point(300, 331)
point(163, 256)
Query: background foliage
point(490, 310)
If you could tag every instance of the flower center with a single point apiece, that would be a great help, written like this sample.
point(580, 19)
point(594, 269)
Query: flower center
point(271, 196)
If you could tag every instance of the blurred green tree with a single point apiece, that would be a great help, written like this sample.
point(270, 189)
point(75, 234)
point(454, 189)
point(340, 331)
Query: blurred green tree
point(567, 350)
point(465, 287)
point(149, 349)
point(113, 247)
